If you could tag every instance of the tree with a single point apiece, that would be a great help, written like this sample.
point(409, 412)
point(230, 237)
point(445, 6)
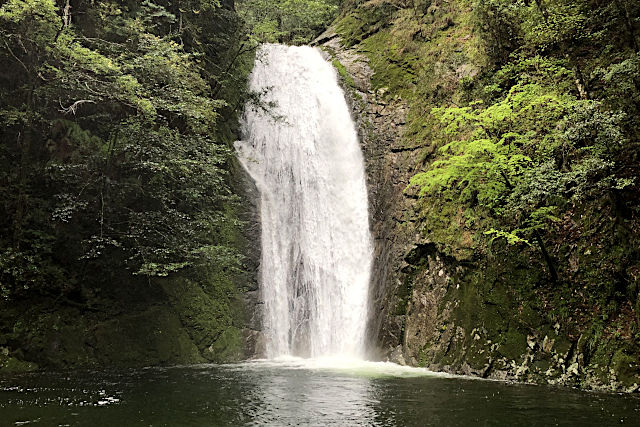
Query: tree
point(287, 21)
point(121, 163)
point(491, 156)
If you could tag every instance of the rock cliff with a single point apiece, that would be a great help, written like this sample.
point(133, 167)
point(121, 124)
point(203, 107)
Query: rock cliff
point(460, 312)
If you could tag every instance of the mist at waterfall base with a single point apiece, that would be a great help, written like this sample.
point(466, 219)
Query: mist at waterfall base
point(302, 151)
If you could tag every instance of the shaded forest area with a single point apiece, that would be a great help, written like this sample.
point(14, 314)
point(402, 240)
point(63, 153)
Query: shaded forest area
point(116, 133)
point(116, 171)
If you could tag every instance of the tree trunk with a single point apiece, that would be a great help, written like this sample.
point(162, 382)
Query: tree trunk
point(66, 17)
point(580, 83)
point(624, 10)
point(547, 258)
point(541, 8)
point(24, 145)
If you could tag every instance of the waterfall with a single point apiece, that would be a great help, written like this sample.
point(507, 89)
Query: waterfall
point(301, 148)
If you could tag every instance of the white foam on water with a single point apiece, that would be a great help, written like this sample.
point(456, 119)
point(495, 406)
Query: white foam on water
point(340, 365)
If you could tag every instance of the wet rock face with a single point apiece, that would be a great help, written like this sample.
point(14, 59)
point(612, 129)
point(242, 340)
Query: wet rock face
point(254, 339)
point(380, 121)
point(423, 319)
point(435, 311)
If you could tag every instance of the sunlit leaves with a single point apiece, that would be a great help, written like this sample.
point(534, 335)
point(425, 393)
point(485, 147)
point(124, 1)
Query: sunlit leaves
point(526, 157)
point(36, 20)
point(490, 148)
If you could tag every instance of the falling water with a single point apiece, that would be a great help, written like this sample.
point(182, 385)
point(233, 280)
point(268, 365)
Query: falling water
point(301, 148)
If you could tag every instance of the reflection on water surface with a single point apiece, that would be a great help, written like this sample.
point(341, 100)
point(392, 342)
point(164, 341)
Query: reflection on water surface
point(296, 392)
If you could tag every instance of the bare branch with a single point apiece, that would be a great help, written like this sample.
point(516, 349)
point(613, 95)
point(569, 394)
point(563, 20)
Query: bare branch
point(74, 107)
point(15, 57)
point(66, 19)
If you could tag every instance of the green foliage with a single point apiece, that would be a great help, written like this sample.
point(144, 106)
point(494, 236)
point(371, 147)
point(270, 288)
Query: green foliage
point(511, 237)
point(528, 114)
point(491, 147)
point(498, 21)
point(113, 155)
point(287, 21)
point(548, 129)
point(555, 23)
point(33, 21)
point(525, 158)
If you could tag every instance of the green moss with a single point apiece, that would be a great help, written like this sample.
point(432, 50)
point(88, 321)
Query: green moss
point(153, 337)
point(403, 295)
point(344, 74)
point(365, 20)
point(478, 354)
point(453, 355)
point(626, 367)
point(10, 365)
point(66, 338)
point(541, 365)
point(423, 356)
point(206, 312)
point(468, 312)
point(562, 345)
point(228, 346)
point(513, 344)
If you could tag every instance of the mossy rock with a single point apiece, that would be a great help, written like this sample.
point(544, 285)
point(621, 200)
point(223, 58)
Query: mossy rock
point(540, 366)
point(211, 315)
point(626, 367)
point(345, 77)
point(11, 365)
point(495, 318)
point(470, 310)
point(562, 345)
point(366, 20)
point(423, 356)
point(478, 356)
point(513, 345)
point(154, 337)
point(403, 295)
point(228, 346)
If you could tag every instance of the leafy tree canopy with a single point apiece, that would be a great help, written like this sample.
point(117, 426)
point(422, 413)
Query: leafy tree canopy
point(113, 156)
point(287, 21)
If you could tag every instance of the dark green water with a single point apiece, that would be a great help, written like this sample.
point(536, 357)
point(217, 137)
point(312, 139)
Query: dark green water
point(296, 393)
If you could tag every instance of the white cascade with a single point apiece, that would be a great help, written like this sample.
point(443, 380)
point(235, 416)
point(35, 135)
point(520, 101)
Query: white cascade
point(303, 153)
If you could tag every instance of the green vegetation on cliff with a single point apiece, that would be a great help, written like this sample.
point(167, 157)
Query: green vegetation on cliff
point(528, 112)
